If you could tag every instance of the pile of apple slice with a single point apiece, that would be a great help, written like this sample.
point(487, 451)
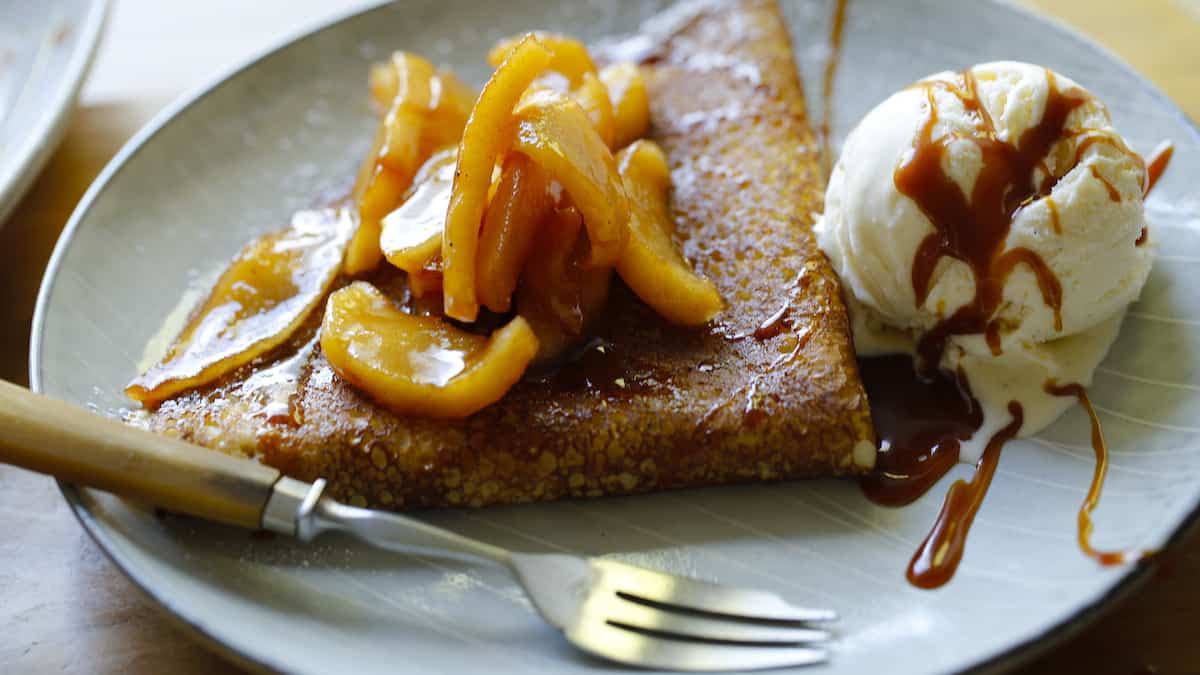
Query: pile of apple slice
point(522, 201)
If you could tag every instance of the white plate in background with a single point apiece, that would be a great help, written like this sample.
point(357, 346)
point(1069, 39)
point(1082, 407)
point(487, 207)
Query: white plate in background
point(238, 158)
point(45, 50)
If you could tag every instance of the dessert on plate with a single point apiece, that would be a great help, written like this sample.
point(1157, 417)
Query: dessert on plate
point(602, 274)
point(590, 279)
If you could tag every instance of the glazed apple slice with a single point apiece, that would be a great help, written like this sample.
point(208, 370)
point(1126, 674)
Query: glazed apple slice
point(257, 303)
point(427, 281)
point(592, 96)
point(420, 365)
point(560, 296)
point(651, 264)
point(412, 234)
point(426, 113)
point(484, 138)
point(554, 131)
point(568, 57)
point(510, 226)
point(570, 71)
point(630, 102)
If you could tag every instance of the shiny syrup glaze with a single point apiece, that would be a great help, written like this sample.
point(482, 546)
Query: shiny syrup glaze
point(837, 26)
point(921, 423)
point(781, 322)
point(256, 304)
point(973, 228)
point(273, 391)
point(1100, 447)
point(938, 555)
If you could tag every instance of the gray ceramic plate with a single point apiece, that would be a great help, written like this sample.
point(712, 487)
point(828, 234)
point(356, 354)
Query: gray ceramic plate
point(237, 159)
point(45, 51)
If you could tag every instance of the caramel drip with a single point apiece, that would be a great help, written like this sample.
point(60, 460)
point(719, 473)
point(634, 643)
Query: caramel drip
point(1086, 138)
point(1142, 237)
point(1100, 447)
point(1055, 219)
point(837, 27)
point(974, 229)
point(920, 423)
point(940, 553)
point(774, 325)
point(1156, 163)
point(1113, 193)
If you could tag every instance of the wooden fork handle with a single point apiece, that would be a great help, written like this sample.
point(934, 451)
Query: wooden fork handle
point(72, 444)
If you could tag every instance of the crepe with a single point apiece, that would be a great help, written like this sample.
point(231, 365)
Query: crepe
point(769, 390)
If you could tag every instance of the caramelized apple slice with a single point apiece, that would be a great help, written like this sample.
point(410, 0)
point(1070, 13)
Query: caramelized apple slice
point(555, 132)
point(569, 57)
point(427, 280)
point(412, 234)
point(420, 118)
point(401, 77)
point(651, 263)
point(404, 124)
point(377, 190)
point(256, 305)
point(558, 295)
point(418, 364)
point(510, 225)
point(483, 139)
point(593, 97)
point(630, 102)
point(452, 105)
point(381, 80)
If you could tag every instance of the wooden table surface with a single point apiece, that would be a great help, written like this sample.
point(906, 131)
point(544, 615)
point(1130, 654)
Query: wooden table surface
point(64, 607)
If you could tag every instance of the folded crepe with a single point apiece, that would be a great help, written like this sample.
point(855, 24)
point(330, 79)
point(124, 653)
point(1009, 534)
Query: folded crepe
point(769, 390)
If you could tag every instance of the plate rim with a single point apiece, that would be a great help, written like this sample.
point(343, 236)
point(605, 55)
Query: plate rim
point(48, 131)
point(1012, 655)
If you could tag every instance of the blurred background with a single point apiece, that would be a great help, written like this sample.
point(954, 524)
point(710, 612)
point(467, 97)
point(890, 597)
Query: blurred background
point(64, 607)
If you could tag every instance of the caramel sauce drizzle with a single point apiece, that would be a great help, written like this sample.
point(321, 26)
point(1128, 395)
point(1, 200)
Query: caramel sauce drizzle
point(921, 423)
point(836, 29)
point(922, 418)
point(1100, 447)
point(1143, 237)
point(973, 229)
point(1055, 219)
point(938, 557)
point(1086, 138)
point(1113, 193)
point(1156, 163)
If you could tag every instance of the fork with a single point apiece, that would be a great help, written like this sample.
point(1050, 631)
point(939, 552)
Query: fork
point(607, 608)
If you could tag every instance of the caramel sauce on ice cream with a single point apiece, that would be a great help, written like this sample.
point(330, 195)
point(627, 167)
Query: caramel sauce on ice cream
point(924, 410)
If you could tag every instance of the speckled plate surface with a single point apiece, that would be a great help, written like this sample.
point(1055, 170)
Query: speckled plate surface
point(238, 158)
point(45, 50)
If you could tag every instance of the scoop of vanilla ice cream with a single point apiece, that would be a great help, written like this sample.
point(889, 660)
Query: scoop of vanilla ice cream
point(870, 232)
